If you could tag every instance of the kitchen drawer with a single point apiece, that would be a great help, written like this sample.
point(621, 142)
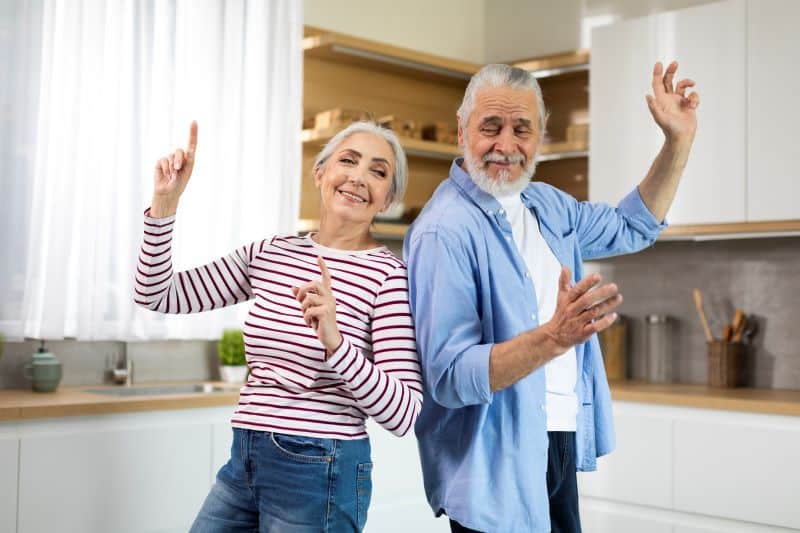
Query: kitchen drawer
point(738, 466)
point(639, 470)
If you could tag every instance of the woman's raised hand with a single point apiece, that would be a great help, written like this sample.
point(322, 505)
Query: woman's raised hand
point(170, 176)
point(319, 308)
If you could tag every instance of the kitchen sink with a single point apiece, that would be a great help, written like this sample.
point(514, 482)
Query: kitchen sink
point(155, 390)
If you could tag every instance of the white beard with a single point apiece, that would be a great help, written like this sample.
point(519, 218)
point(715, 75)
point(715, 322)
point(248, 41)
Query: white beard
point(500, 186)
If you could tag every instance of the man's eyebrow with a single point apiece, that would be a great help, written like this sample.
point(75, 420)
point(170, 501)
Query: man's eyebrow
point(523, 122)
point(492, 119)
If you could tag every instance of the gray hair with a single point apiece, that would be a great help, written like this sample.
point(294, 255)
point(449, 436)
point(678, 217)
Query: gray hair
point(400, 177)
point(499, 75)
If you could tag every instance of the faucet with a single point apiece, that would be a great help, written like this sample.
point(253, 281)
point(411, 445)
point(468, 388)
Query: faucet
point(123, 375)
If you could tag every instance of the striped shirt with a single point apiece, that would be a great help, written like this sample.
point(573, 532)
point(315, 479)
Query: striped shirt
point(291, 388)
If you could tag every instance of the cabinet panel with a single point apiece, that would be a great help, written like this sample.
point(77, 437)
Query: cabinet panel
point(9, 468)
point(222, 438)
point(398, 496)
point(640, 469)
point(125, 480)
point(708, 42)
point(738, 469)
point(600, 517)
point(773, 83)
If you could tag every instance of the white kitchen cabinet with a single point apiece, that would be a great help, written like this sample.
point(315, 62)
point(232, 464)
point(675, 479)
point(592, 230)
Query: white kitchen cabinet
point(749, 465)
point(773, 83)
point(398, 496)
point(639, 470)
point(222, 438)
point(9, 468)
point(727, 472)
point(708, 42)
point(599, 516)
point(141, 472)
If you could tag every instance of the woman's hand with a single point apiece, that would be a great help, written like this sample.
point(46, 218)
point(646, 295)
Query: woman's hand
point(172, 173)
point(319, 309)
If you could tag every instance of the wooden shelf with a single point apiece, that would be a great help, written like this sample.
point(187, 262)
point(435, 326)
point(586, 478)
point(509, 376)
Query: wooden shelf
point(413, 147)
point(353, 50)
point(562, 150)
point(555, 65)
point(741, 230)
point(383, 230)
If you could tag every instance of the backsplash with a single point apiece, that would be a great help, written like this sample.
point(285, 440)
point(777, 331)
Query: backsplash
point(761, 276)
point(86, 363)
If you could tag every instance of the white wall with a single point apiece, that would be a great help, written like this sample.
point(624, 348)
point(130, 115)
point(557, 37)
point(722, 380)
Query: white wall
point(449, 28)
point(521, 29)
point(481, 31)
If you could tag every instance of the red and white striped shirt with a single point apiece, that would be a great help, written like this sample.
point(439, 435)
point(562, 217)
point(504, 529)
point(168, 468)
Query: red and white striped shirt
point(291, 387)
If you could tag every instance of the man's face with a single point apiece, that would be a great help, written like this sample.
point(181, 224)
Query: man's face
point(501, 137)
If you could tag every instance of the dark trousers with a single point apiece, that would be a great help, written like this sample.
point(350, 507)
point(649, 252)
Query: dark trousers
point(562, 486)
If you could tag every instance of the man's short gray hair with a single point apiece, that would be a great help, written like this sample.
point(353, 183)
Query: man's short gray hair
point(400, 177)
point(499, 75)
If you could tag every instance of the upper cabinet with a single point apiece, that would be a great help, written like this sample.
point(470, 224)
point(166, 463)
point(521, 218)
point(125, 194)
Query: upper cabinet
point(709, 44)
point(773, 86)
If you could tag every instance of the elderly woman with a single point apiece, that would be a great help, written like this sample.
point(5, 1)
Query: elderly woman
point(329, 340)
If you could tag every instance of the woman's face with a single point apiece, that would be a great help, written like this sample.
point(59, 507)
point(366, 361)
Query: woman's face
point(355, 181)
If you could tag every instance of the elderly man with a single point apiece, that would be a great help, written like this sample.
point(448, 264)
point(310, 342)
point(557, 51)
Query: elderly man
point(516, 395)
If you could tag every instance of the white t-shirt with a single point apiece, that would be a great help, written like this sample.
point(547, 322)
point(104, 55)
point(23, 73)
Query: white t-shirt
point(561, 373)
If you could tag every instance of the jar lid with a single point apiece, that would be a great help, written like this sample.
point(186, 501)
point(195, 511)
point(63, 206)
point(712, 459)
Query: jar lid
point(657, 319)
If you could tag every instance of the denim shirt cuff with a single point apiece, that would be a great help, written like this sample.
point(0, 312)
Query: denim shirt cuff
point(637, 213)
point(474, 367)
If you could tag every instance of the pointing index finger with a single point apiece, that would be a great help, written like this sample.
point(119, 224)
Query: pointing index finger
point(192, 144)
point(326, 276)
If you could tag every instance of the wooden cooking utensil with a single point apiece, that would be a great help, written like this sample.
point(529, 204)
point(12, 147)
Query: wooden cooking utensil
point(698, 303)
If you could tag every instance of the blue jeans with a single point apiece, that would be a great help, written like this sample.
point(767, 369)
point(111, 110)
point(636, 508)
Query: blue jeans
point(562, 483)
point(289, 484)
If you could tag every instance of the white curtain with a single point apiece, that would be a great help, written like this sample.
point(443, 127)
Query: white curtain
point(93, 93)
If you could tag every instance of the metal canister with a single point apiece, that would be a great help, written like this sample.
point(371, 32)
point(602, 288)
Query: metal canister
point(660, 356)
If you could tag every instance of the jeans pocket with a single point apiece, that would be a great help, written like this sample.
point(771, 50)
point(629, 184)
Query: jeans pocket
point(363, 492)
point(304, 449)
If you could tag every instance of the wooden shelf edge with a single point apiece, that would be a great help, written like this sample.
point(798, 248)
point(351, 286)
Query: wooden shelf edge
point(332, 45)
point(732, 230)
point(413, 147)
point(556, 64)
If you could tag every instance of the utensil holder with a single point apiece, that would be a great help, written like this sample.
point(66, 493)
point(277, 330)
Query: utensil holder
point(726, 364)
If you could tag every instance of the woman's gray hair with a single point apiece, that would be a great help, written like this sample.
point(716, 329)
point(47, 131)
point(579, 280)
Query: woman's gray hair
point(400, 177)
point(499, 75)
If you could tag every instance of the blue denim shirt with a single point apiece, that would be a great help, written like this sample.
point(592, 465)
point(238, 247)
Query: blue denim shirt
point(484, 454)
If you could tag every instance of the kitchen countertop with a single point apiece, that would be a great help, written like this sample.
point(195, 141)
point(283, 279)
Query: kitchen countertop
point(19, 404)
point(764, 401)
point(24, 404)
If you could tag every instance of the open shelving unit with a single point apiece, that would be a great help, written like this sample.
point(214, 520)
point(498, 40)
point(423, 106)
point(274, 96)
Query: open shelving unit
point(353, 73)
